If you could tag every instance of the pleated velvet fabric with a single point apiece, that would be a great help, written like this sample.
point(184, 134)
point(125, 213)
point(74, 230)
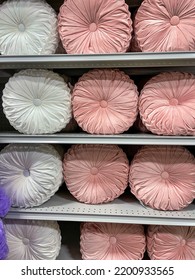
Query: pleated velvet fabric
point(32, 239)
point(171, 242)
point(30, 174)
point(165, 26)
point(110, 241)
point(95, 26)
point(96, 174)
point(28, 27)
point(105, 101)
point(167, 104)
point(163, 177)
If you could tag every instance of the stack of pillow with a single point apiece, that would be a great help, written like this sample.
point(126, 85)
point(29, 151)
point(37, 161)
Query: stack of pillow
point(111, 241)
point(33, 27)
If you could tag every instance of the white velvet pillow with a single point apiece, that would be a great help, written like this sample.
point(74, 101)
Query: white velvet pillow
point(30, 174)
point(28, 27)
point(32, 240)
point(37, 101)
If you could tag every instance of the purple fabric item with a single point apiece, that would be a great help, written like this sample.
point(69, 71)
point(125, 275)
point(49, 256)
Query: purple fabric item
point(3, 243)
point(5, 203)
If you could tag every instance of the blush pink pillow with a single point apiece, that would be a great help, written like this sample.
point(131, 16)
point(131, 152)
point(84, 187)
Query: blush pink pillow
point(171, 242)
point(167, 104)
point(110, 241)
point(105, 101)
point(95, 26)
point(164, 26)
point(163, 177)
point(95, 173)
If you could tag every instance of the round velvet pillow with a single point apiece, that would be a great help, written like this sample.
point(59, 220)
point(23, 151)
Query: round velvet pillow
point(32, 240)
point(167, 104)
point(27, 27)
point(105, 102)
point(96, 173)
point(95, 26)
point(109, 241)
point(37, 101)
point(163, 177)
point(30, 174)
point(162, 26)
point(171, 242)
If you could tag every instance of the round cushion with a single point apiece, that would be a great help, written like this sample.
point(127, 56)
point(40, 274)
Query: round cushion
point(95, 26)
point(110, 241)
point(163, 177)
point(32, 240)
point(30, 174)
point(3, 242)
point(95, 173)
point(167, 104)
point(164, 26)
point(171, 242)
point(37, 101)
point(105, 101)
point(27, 28)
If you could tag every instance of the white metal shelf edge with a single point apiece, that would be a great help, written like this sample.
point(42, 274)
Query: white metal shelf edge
point(169, 59)
point(84, 138)
point(63, 207)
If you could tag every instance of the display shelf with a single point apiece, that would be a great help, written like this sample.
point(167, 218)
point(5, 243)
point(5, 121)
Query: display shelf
point(126, 209)
point(138, 60)
point(84, 138)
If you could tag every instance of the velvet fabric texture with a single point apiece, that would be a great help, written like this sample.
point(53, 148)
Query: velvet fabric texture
point(95, 173)
point(32, 240)
point(167, 104)
point(110, 241)
point(163, 177)
point(171, 242)
point(30, 174)
point(95, 26)
point(105, 101)
point(164, 26)
point(28, 27)
point(37, 101)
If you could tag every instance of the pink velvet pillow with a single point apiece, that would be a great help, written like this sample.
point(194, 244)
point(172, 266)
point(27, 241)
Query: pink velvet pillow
point(163, 177)
point(95, 173)
point(162, 26)
point(171, 242)
point(95, 26)
point(105, 102)
point(167, 104)
point(109, 241)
